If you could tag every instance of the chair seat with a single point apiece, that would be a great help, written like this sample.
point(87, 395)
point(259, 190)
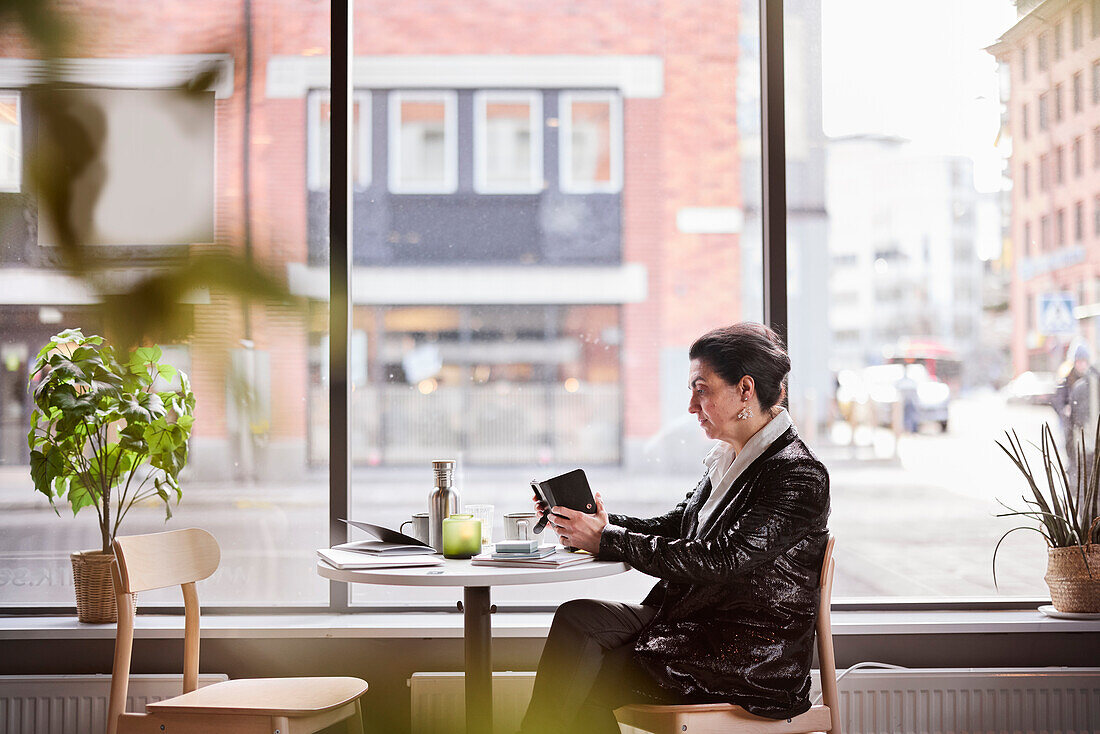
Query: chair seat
point(719, 717)
point(265, 697)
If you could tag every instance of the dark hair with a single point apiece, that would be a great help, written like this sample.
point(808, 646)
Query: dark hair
point(747, 348)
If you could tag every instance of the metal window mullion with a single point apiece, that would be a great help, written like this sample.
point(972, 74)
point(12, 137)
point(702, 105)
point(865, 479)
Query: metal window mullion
point(774, 167)
point(340, 249)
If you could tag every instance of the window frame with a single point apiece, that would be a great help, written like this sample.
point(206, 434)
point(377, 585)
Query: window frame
point(314, 99)
point(482, 98)
point(449, 97)
point(565, 141)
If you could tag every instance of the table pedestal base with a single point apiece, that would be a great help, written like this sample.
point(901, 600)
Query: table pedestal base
point(479, 660)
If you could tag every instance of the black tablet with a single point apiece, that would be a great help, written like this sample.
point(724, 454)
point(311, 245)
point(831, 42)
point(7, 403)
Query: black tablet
point(565, 490)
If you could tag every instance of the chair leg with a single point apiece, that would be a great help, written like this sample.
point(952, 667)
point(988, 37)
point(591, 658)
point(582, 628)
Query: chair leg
point(355, 723)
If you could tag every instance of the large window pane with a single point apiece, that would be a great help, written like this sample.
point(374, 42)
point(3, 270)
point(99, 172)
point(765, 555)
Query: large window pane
point(535, 316)
point(167, 157)
point(909, 333)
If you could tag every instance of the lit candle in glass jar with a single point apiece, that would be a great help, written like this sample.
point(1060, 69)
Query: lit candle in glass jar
point(461, 536)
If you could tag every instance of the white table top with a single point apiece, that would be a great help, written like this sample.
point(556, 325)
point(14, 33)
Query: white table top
point(461, 572)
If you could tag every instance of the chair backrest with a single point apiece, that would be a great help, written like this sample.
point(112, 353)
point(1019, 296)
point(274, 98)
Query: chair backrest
point(166, 559)
point(144, 562)
point(825, 657)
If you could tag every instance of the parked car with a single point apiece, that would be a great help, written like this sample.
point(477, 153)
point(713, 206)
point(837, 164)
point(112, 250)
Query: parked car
point(1034, 388)
point(879, 388)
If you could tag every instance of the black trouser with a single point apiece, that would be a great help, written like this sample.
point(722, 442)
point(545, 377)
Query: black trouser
point(588, 669)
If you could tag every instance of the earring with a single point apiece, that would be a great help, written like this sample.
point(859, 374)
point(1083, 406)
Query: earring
point(745, 414)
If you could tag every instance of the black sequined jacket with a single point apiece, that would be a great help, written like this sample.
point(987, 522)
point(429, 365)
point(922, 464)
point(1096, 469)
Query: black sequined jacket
point(736, 605)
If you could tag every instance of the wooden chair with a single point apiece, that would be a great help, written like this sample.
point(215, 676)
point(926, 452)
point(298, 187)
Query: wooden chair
point(712, 718)
point(262, 706)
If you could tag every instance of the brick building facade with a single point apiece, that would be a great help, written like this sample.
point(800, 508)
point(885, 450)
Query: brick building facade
point(1052, 55)
point(671, 64)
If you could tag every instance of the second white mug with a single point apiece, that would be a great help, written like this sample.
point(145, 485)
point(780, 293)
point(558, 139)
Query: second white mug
point(520, 525)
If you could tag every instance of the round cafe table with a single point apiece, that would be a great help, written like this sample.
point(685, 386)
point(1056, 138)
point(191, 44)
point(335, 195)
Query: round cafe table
point(477, 635)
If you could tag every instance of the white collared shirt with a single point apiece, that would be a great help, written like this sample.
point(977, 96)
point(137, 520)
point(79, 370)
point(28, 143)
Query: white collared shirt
point(724, 464)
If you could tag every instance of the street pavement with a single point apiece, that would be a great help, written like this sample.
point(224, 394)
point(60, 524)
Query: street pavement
point(914, 518)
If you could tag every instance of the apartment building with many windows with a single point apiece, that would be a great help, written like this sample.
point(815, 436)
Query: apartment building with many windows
point(1052, 61)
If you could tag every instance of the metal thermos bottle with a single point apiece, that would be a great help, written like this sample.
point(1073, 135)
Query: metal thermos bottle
point(442, 502)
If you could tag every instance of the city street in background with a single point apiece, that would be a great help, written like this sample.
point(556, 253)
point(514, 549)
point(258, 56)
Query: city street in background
point(912, 518)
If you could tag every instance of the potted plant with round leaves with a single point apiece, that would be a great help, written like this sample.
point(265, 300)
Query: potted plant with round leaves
point(1066, 512)
point(106, 433)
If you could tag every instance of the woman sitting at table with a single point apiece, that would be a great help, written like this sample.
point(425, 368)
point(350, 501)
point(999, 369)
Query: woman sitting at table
point(732, 618)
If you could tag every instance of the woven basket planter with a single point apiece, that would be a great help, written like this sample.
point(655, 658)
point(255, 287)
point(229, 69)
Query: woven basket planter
point(95, 590)
point(1074, 587)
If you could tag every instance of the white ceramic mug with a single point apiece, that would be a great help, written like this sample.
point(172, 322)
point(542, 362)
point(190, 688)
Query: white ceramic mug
point(420, 526)
point(519, 525)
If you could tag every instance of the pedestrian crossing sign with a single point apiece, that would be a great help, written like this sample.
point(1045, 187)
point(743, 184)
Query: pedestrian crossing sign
point(1055, 317)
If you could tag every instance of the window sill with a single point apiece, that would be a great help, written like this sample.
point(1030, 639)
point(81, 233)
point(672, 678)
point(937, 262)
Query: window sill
point(423, 625)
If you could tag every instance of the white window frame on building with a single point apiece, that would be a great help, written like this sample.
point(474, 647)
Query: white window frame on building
point(565, 143)
point(11, 147)
point(316, 175)
point(449, 184)
point(482, 184)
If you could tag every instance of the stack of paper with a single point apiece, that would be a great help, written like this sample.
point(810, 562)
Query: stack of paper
point(560, 558)
point(350, 560)
point(384, 548)
point(540, 552)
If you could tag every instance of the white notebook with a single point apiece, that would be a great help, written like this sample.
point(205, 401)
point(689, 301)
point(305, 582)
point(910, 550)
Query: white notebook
point(350, 560)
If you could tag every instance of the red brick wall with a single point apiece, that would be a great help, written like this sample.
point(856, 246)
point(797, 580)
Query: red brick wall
point(681, 150)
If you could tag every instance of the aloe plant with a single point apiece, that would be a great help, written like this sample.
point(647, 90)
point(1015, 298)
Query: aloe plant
point(106, 433)
point(1065, 514)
